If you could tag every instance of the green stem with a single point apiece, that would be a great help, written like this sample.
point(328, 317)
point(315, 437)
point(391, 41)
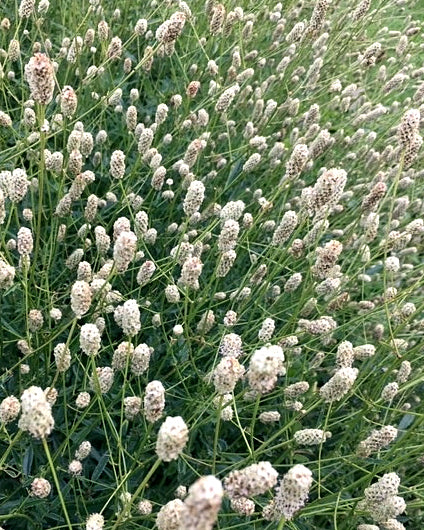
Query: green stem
point(56, 481)
point(320, 450)
point(216, 437)
point(138, 491)
point(9, 448)
point(56, 375)
point(281, 524)
point(252, 424)
point(41, 116)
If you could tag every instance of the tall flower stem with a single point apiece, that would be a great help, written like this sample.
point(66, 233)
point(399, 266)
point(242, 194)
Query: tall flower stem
point(56, 481)
point(41, 177)
point(138, 491)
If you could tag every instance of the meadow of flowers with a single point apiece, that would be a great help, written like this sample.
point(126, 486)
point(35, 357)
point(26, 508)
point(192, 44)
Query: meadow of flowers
point(211, 265)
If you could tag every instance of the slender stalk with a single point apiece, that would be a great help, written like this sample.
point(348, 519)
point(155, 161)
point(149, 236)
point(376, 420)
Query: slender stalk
point(137, 492)
point(252, 424)
point(281, 524)
point(216, 437)
point(56, 481)
point(56, 375)
point(320, 450)
point(41, 178)
point(9, 448)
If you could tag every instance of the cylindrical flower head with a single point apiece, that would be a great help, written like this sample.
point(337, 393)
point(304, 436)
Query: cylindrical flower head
point(377, 440)
point(161, 113)
point(293, 491)
point(227, 239)
point(360, 11)
point(9, 409)
point(326, 259)
point(7, 275)
point(404, 372)
point(114, 50)
point(5, 119)
point(62, 356)
point(144, 507)
point(127, 316)
point(226, 98)
point(389, 391)
point(103, 380)
point(194, 197)
point(226, 375)
point(408, 127)
point(172, 28)
point(90, 339)
point(250, 481)
point(193, 151)
point(132, 407)
point(339, 385)
point(226, 261)
point(267, 330)
point(202, 504)
point(217, 19)
point(285, 229)
point(17, 186)
point(117, 164)
point(39, 74)
point(266, 364)
point(327, 190)
point(83, 450)
point(318, 16)
point(83, 400)
point(124, 250)
point(231, 345)
point(345, 354)
point(154, 401)
point(251, 162)
point(385, 487)
point(80, 298)
point(311, 436)
point(26, 7)
point(191, 270)
point(35, 320)
point(68, 101)
point(170, 515)
point(25, 241)
point(121, 355)
point(145, 140)
point(172, 438)
point(270, 416)
point(95, 521)
point(297, 161)
point(243, 506)
point(140, 359)
point(36, 417)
